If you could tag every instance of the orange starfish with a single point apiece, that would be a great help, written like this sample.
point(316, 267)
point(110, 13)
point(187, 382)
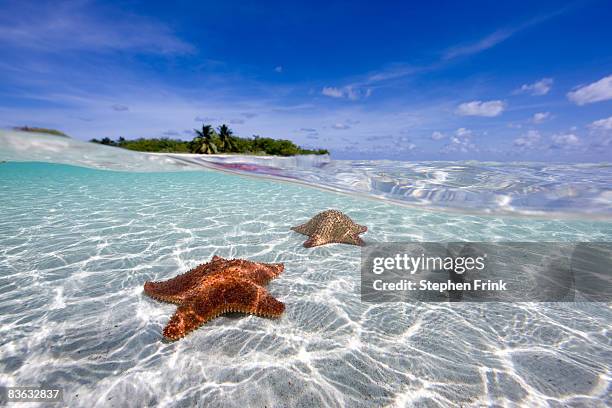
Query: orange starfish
point(331, 226)
point(214, 288)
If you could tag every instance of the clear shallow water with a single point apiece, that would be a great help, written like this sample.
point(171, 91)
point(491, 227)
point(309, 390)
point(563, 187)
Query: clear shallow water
point(524, 189)
point(77, 244)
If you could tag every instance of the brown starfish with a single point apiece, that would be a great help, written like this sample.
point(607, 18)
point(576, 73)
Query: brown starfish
point(331, 226)
point(214, 288)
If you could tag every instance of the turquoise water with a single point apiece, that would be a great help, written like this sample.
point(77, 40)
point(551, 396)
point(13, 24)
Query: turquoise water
point(77, 244)
point(543, 190)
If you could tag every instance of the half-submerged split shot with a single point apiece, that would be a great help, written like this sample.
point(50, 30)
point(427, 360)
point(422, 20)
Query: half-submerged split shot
point(305, 204)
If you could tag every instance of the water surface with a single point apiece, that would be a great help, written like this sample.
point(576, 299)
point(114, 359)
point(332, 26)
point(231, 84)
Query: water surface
point(77, 244)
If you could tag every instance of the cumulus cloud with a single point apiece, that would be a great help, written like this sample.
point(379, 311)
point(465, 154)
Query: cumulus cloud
point(405, 145)
point(460, 142)
point(463, 132)
point(529, 140)
point(340, 126)
point(480, 108)
point(332, 92)
point(566, 140)
point(540, 117)
point(538, 88)
point(348, 92)
point(437, 135)
point(602, 124)
point(595, 92)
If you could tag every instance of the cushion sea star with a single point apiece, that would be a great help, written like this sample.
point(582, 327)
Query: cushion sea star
point(217, 287)
point(331, 226)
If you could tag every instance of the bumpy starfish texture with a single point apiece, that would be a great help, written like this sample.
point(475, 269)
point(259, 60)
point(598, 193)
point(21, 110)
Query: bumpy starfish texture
point(214, 288)
point(331, 226)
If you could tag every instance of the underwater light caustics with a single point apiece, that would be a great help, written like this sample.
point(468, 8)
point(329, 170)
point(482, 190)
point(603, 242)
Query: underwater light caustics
point(214, 288)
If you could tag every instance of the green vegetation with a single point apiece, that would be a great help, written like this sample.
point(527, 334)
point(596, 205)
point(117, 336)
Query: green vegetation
point(163, 145)
point(209, 141)
point(203, 142)
point(41, 130)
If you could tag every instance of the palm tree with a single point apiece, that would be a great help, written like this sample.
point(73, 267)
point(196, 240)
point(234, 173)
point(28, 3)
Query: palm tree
point(203, 142)
point(227, 141)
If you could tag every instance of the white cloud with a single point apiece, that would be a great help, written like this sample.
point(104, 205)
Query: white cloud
point(340, 126)
point(278, 69)
point(496, 37)
point(81, 25)
point(595, 92)
point(540, 117)
point(538, 88)
point(481, 45)
point(349, 92)
point(460, 142)
point(437, 136)
point(565, 140)
point(480, 108)
point(393, 72)
point(332, 92)
point(529, 140)
point(602, 124)
point(463, 132)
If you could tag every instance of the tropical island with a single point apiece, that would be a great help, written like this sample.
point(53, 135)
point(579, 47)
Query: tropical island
point(41, 130)
point(213, 141)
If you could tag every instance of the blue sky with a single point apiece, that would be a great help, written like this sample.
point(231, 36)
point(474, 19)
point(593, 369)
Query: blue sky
point(398, 80)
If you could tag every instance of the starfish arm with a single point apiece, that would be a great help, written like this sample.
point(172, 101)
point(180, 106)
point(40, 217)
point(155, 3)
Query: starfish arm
point(302, 229)
point(171, 291)
point(262, 273)
point(174, 290)
point(222, 296)
point(267, 305)
point(189, 316)
point(353, 239)
point(259, 273)
point(314, 240)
